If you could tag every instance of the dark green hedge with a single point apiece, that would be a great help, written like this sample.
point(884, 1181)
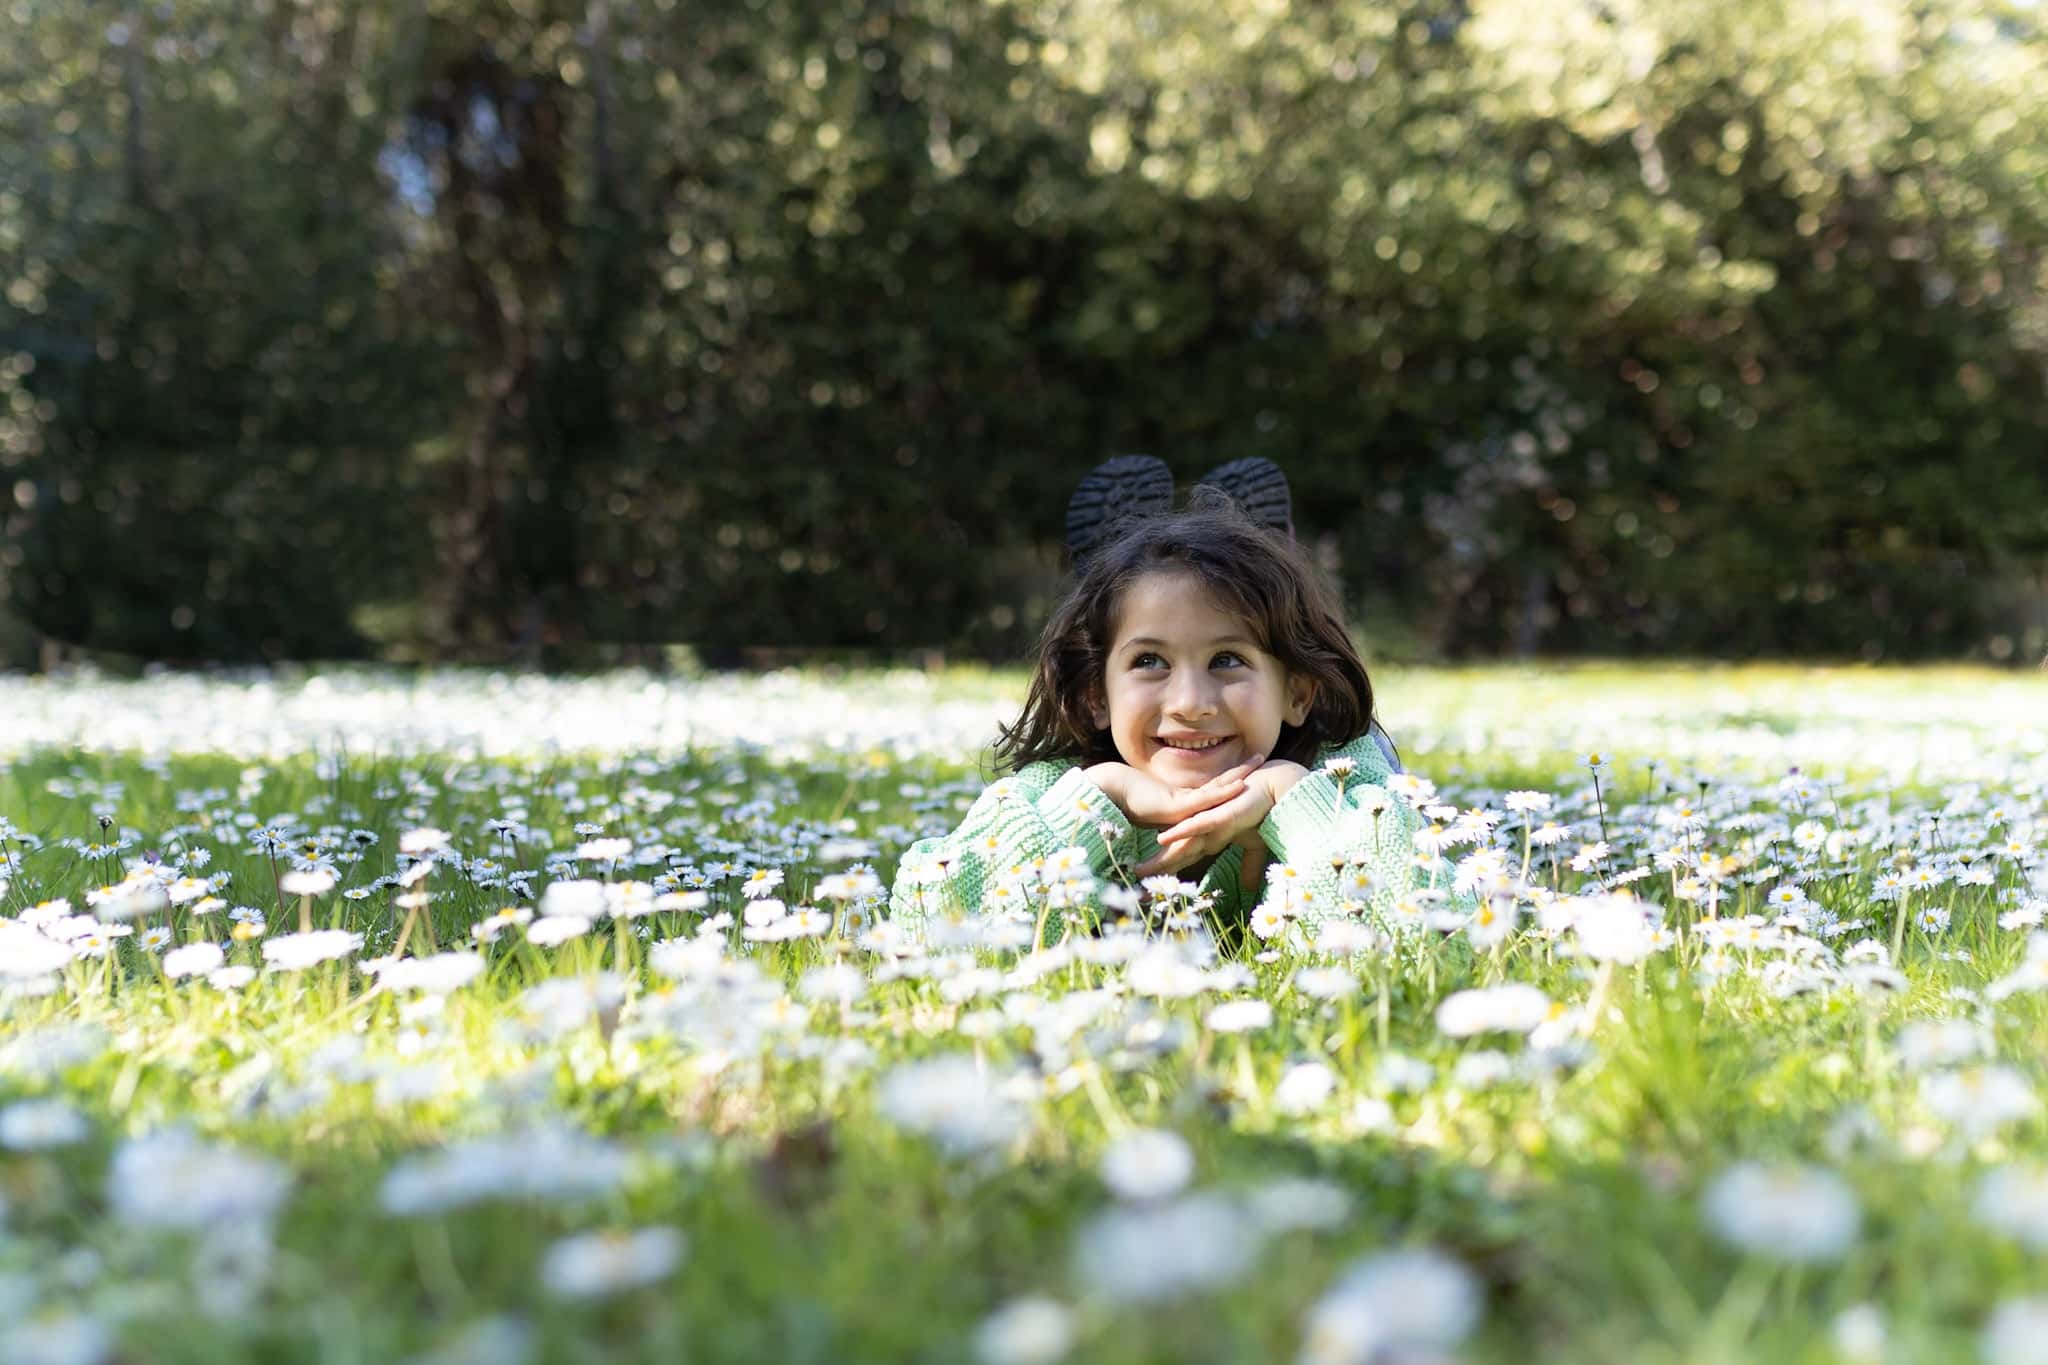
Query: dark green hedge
point(463, 329)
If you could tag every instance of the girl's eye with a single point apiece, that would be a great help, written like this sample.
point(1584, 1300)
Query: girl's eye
point(1227, 654)
point(1147, 660)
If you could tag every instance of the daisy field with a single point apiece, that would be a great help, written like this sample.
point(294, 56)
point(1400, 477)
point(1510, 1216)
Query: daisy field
point(355, 1015)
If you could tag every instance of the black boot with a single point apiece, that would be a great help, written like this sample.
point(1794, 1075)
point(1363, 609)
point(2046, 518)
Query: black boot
point(1258, 486)
point(1116, 490)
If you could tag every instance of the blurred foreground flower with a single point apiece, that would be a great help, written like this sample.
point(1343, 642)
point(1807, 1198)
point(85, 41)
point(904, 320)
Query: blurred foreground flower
point(1392, 1305)
point(2017, 1333)
point(25, 954)
point(436, 974)
point(2014, 1200)
point(66, 1339)
point(491, 1340)
point(1858, 1334)
point(1979, 1099)
point(35, 1125)
point(313, 882)
point(1790, 1212)
point(954, 1101)
point(541, 1163)
point(599, 1263)
point(194, 959)
point(174, 1180)
point(1033, 1330)
point(1157, 1251)
point(1148, 1163)
point(1512, 1008)
point(293, 952)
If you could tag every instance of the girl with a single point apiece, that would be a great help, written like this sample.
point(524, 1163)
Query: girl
point(1198, 710)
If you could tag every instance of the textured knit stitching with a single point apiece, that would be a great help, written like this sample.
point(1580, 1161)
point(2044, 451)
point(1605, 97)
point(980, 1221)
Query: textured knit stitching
point(1044, 807)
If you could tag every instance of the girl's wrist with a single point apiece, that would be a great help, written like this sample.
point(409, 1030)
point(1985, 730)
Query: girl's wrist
point(1279, 777)
point(1109, 777)
point(1252, 836)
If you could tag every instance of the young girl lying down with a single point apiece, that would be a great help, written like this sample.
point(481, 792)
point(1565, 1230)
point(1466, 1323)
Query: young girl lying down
point(1198, 714)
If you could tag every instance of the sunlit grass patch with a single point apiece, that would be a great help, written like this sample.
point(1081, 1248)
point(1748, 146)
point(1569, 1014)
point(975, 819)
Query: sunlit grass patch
point(1747, 1065)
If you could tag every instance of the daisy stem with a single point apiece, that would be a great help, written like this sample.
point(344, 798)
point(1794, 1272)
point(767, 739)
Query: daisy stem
point(435, 1259)
point(1383, 1010)
point(405, 932)
point(18, 885)
point(1735, 1316)
point(1247, 1077)
point(276, 883)
point(1114, 1120)
point(1352, 1028)
point(1598, 1001)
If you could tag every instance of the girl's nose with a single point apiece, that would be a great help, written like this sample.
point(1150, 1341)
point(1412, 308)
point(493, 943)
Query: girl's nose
point(1191, 697)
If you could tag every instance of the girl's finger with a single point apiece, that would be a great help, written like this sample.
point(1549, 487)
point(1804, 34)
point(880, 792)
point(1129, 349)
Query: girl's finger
point(1158, 864)
point(1237, 774)
point(1223, 781)
point(1227, 778)
point(1213, 818)
point(1171, 858)
point(1194, 824)
point(1228, 782)
point(1204, 798)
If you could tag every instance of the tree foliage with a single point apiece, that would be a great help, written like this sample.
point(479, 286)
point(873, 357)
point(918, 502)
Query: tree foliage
point(467, 327)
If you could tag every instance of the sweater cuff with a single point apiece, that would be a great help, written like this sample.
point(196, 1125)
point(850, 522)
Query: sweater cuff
point(1077, 810)
point(1301, 818)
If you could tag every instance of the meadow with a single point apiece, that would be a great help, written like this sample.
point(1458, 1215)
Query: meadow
point(349, 1016)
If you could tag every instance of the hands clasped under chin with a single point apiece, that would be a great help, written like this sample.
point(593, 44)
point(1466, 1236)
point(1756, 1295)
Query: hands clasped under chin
point(1196, 823)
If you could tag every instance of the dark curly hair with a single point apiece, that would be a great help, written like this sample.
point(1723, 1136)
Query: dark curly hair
point(1257, 574)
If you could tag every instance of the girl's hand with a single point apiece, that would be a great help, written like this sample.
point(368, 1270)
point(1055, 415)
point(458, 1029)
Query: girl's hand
point(1147, 801)
point(1235, 821)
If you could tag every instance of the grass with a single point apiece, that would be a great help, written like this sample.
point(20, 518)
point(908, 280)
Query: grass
point(827, 1222)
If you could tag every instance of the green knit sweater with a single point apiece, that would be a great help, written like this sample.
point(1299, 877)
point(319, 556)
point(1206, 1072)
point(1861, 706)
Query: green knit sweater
point(1327, 830)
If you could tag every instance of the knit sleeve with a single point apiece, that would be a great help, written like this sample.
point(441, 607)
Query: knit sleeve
point(1012, 827)
point(1339, 835)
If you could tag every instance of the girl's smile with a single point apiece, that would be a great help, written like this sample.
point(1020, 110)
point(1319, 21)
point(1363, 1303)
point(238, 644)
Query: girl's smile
point(1187, 692)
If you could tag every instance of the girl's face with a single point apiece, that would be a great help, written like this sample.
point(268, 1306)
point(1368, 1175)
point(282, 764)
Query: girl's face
point(1187, 693)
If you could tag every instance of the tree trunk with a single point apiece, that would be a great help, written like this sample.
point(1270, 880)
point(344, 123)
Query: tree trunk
point(141, 177)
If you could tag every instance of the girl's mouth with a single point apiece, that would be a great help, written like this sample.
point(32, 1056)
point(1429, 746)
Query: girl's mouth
point(1193, 746)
